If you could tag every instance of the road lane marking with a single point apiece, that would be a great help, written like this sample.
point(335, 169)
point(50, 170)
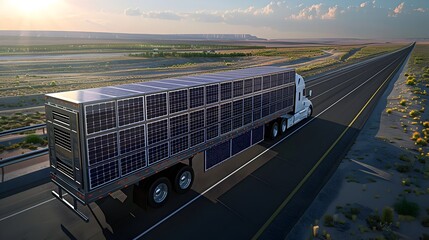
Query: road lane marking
point(253, 159)
point(301, 183)
point(29, 208)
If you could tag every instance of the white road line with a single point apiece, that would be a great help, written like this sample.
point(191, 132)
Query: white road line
point(253, 159)
point(22, 211)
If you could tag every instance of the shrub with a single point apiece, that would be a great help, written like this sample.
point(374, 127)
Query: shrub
point(389, 111)
point(403, 102)
point(421, 142)
point(426, 124)
point(34, 139)
point(404, 207)
point(387, 215)
point(414, 113)
point(328, 221)
point(410, 83)
point(415, 135)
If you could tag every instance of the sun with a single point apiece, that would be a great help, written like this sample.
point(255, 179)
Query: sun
point(32, 6)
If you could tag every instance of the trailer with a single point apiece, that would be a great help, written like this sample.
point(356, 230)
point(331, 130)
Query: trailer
point(145, 134)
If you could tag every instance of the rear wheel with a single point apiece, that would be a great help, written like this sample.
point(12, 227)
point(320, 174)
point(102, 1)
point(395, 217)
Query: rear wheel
point(283, 125)
point(274, 130)
point(183, 179)
point(158, 193)
point(310, 111)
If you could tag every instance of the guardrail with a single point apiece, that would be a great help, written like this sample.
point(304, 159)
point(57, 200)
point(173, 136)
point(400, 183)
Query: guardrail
point(23, 157)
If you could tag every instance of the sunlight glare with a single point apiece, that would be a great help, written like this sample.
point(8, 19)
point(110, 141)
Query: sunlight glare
point(32, 6)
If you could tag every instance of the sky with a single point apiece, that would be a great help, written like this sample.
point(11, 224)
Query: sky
point(288, 19)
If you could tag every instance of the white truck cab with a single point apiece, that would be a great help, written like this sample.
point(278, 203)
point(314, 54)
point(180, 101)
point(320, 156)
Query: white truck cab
point(303, 106)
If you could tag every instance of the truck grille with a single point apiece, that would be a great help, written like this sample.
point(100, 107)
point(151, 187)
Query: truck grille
point(64, 168)
point(62, 118)
point(62, 139)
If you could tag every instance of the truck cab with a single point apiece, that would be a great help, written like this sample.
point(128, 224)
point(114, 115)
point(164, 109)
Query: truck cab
point(302, 104)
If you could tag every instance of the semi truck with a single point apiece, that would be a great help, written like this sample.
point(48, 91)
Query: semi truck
point(146, 134)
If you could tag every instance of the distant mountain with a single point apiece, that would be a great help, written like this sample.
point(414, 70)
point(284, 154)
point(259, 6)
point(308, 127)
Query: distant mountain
point(128, 36)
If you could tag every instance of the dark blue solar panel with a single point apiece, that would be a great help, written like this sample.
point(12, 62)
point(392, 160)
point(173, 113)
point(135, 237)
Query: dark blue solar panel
point(156, 105)
point(257, 101)
point(133, 162)
point(212, 132)
point(238, 88)
point(265, 111)
point(178, 101)
point(280, 79)
point(225, 126)
point(256, 114)
point(158, 153)
point(248, 86)
point(212, 115)
point(266, 82)
point(102, 174)
point(225, 91)
point(196, 96)
point(196, 138)
point(100, 117)
point(257, 84)
point(157, 131)
point(217, 154)
point(273, 108)
point(225, 111)
point(102, 148)
point(247, 118)
point(274, 81)
point(237, 108)
point(237, 122)
point(212, 94)
point(130, 111)
point(257, 135)
point(241, 142)
point(196, 120)
point(131, 139)
point(179, 125)
point(179, 145)
point(248, 102)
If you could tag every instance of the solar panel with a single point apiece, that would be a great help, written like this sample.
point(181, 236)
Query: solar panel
point(247, 118)
point(248, 104)
point(130, 111)
point(179, 145)
point(217, 154)
point(131, 139)
point(237, 122)
point(196, 120)
point(279, 106)
point(102, 174)
point(225, 91)
point(257, 135)
point(212, 115)
point(196, 138)
point(256, 114)
point(280, 79)
point(279, 95)
point(225, 111)
point(156, 105)
point(237, 108)
point(102, 148)
point(178, 101)
point(100, 117)
point(266, 99)
point(133, 162)
point(274, 81)
point(273, 96)
point(265, 111)
point(196, 97)
point(257, 84)
point(257, 101)
point(241, 142)
point(225, 127)
point(238, 88)
point(178, 125)
point(266, 82)
point(212, 132)
point(273, 108)
point(157, 132)
point(157, 153)
point(248, 86)
point(212, 94)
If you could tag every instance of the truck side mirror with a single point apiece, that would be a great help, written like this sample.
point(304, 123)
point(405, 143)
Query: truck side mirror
point(310, 93)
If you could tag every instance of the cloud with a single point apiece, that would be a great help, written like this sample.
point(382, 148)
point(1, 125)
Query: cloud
point(315, 11)
point(133, 12)
point(398, 10)
point(364, 4)
point(422, 10)
point(164, 15)
point(331, 14)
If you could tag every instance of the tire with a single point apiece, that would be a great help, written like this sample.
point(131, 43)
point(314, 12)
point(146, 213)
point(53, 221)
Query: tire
point(158, 192)
point(309, 112)
point(283, 125)
point(183, 179)
point(274, 130)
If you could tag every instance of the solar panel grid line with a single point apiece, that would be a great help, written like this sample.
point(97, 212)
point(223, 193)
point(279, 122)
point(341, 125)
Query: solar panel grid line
point(196, 97)
point(100, 117)
point(197, 138)
point(237, 88)
point(102, 148)
point(133, 162)
point(130, 111)
point(179, 125)
point(131, 139)
point(157, 131)
point(212, 115)
point(178, 101)
point(212, 94)
point(197, 120)
point(225, 110)
point(248, 86)
point(156, 105)
point(103, 174)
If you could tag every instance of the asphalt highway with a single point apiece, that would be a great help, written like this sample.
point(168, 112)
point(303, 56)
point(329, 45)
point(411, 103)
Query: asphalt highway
point(261, 193)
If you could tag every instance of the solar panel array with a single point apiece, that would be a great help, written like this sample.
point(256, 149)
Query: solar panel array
point(132, 133)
